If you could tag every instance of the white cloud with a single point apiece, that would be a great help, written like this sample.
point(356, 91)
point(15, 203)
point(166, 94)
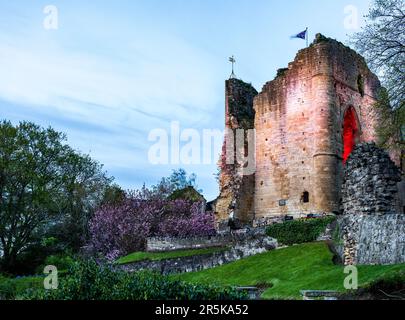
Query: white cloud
point(159, 79)
point(49, 78)
point(108, 93)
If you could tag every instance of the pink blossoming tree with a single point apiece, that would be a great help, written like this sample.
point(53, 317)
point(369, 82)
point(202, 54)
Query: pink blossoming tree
point(122, 228)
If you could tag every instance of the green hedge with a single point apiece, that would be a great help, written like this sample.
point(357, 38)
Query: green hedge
point(12, 288)
point(61, 261)
point(87, 280)
point(7, 288)
point(298, 231)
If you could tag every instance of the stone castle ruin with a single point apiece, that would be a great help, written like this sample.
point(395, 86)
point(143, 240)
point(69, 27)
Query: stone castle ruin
point(307, 122)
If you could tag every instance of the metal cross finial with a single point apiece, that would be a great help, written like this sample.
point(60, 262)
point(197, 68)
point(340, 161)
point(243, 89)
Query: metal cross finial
point(233, 61)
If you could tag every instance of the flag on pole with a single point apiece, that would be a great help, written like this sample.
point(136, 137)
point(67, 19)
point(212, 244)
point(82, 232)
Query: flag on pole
point(302, 35)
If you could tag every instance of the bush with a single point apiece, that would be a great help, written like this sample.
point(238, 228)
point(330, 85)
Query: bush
point(8, 288)
point(88, 281)
point(386, 287)
point(13, 288)
point(393, 283)
point(298, 231)
point(61, 261)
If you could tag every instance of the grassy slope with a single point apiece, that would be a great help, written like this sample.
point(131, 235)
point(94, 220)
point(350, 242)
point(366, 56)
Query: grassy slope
point(307, 266)
point(139, 256)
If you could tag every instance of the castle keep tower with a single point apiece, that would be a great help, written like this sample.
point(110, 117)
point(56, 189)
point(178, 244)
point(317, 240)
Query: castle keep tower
point(307, 121)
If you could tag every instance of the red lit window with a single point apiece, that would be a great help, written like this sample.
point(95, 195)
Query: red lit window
point(350, 132)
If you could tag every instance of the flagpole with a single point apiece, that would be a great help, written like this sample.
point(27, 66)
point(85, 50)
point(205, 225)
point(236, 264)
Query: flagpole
point(307, 36)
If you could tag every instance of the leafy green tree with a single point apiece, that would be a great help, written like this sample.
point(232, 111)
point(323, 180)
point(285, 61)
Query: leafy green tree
point(391, 126)
point(382, 43)
point(113, 195)
point(85, 186)
point(44, 185)
point(178, 180)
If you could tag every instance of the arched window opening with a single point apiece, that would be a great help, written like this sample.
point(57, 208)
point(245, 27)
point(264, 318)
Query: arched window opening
point(350, 132)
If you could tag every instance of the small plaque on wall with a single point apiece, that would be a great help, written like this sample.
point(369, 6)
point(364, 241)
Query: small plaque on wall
point(282, 202)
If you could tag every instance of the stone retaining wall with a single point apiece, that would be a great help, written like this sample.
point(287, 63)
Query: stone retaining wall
point(160, 244)
point(201, 262)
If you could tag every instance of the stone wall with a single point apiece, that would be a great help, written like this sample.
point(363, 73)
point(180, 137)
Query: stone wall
point(372, 239)
point(401, 198)
point(299, 128)
point(370, 184)
point(371, 230)
point(161, 244)
point(236, 189)
point(242, 249)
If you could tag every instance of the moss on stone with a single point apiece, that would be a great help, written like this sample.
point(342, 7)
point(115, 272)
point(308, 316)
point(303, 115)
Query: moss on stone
point(240, 102)
point(281, 72)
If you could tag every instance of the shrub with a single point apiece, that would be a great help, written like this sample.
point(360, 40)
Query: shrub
point(88, 281)
point(13, 288)
point(393, 281)
point(386, 287)
point(298, 231)
point(8, 288)
point(61, 261)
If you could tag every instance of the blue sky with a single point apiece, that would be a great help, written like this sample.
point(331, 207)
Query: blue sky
point(114, 70)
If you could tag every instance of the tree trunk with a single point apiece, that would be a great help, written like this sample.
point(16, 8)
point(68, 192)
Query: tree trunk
point(8, 262)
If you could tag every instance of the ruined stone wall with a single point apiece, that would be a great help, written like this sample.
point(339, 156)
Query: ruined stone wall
point(370, 183)
point(236, 191)
point(371, 230)
point(372, 239)
point(241, 248)
point(162, 244)
point(401, 198)
point(298, 121)
point(227, 239)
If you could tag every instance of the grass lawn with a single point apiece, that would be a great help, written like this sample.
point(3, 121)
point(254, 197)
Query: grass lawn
point(140, 256)
point(287, 271)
